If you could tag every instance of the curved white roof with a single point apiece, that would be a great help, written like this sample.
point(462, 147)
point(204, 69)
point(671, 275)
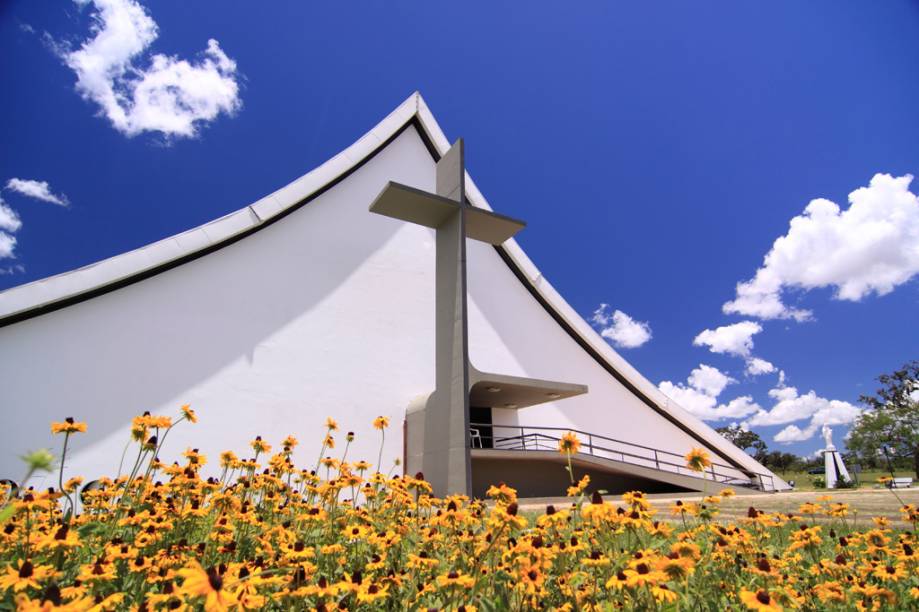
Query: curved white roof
point(49, 294)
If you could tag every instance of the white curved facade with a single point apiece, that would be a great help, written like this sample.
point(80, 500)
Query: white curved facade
point(274, 317)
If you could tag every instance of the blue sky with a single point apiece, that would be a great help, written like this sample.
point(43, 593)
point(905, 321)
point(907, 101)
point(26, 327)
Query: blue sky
point(656, 150)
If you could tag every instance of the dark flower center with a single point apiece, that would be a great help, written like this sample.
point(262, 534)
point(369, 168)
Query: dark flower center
point(26, 570)
point(763, 597)
point(214, 579)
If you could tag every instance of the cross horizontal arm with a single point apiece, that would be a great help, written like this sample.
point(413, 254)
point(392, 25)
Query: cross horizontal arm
point(424, 208)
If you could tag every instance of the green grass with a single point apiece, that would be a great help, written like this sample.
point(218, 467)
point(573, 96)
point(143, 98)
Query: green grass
point(867, 480)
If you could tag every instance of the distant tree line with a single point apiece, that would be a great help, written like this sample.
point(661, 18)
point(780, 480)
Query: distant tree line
point(885, 436)
point(753, 444)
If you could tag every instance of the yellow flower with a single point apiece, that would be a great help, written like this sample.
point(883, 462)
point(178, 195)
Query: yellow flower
point(25, 576)
point(580, 487)
point(369, 593)
point(697, 460)
point(894, 573)
point(761, 601)
point(569, 444)
point(68, 426)
point(207, 584)
point(72, 484)
point(454, 579)
point(189, 414)
point(662, 594)
point(643, 575)
point(260, 446)
point(228, 459)
point(381, 422)
point(331, 424)
point(502, 493)
point(830, 591)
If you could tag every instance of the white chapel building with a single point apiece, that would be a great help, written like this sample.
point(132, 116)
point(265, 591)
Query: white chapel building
point(380, 283)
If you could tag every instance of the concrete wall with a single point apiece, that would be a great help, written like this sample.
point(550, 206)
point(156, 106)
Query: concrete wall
point(538, 478)
point(511, 333)
point(326, 312)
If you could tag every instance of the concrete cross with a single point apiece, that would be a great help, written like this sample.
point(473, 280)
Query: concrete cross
point(446, 460)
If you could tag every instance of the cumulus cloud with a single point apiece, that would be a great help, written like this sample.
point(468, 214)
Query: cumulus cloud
point(620, 329)
point(735, 339)
point(9, 225)
point(12, 269)
point(9, 219)
point(139, 92)
point(40, 190)
point(7, 245)
point(757, 366)
point(699, 396)
point(871, 247)
point(790, 406)
point(709, 380)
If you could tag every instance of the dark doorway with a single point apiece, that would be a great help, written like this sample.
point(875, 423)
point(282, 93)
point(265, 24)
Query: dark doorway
point(480, 434)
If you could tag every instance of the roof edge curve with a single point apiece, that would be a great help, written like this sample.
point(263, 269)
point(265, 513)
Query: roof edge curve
point(59, 291)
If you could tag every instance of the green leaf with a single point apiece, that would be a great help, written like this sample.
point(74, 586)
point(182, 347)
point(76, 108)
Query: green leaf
point(7, 513)
point(90, 529)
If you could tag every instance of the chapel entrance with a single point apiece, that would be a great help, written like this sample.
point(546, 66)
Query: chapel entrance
point(480, 431)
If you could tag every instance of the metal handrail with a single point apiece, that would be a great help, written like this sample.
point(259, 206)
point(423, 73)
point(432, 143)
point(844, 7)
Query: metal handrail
point(529, 440)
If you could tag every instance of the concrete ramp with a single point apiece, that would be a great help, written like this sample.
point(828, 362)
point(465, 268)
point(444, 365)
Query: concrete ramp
point(543, 473)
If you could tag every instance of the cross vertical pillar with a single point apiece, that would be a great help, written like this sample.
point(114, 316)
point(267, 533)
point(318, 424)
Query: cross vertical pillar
point(445, 453)
point(446, 461)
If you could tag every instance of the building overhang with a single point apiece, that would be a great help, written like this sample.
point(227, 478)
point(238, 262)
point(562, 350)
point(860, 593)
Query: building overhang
point(516, 392)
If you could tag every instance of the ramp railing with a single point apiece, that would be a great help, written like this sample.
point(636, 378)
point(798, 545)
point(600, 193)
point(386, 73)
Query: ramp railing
point(529, 438)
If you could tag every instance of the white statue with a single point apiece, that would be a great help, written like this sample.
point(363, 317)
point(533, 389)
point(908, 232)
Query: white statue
point(828, 437)
point(834, 468)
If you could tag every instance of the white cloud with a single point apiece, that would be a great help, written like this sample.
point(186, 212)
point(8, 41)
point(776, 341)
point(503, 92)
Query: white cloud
point(9, 219)
point(735, 339)
point(757, 366)
point(164, 94)
point(9, 224)
point(7, 245)
point(621, 329)
point(16, 269)
point(40, 190)
point(709, 380)
point(700, 395)
point(871, 247)
point(914, 395)
point(791, 407)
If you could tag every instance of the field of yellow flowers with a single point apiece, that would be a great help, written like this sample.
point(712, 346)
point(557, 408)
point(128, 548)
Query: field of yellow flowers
point(263, 533)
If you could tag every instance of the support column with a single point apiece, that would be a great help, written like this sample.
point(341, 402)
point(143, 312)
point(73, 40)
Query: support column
point(446, 463)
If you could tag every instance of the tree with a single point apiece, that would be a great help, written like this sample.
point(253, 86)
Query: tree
point(744, 439)
point(777, 460)
point(891, 419)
